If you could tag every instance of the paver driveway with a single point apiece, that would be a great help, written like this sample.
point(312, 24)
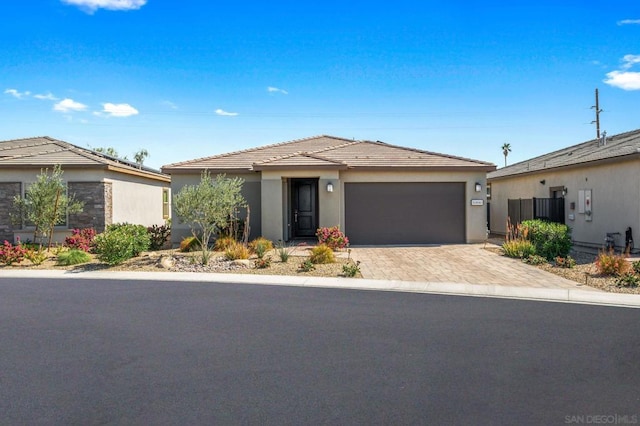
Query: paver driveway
point(458, 263)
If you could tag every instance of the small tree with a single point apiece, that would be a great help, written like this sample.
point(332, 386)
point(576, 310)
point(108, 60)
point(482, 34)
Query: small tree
point(206, 207)
point(45, 203)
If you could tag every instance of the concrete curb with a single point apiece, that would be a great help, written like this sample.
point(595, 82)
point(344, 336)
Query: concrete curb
point(592, 297)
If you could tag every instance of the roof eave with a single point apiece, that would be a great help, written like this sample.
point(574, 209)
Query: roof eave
point(609, 160)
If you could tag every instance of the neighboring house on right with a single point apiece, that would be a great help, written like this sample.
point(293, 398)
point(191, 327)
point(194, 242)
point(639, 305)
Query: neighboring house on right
point(596, 185)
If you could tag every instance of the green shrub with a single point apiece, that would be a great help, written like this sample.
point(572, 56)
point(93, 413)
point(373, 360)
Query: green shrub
point(158, 235)
point(565, 262)
point(534, 259)
point(236, 251)
point(322, 253)
point(610, 263)
point(260, 246)
point(121, 242)
point(262, 262)
point(351, 269)
point(550, 239)
point(522, 249)
point(628, 280)
point(636, 266)
point(284, 251)
point(139, 237)
point(36, 255)
point(306, 266)
point(73, 257)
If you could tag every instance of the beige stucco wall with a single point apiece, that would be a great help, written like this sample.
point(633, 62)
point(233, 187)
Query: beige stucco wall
point(275, 220)
point(615, 198)
point(136, 200)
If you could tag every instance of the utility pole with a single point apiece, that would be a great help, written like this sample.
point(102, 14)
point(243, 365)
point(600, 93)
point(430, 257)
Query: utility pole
point(598, 111)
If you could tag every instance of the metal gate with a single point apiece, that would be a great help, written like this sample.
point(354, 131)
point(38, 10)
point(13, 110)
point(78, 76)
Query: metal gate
point(549, 209)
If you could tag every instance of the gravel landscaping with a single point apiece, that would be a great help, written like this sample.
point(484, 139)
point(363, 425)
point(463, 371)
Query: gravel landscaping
point(585, 271)
point(176, 261)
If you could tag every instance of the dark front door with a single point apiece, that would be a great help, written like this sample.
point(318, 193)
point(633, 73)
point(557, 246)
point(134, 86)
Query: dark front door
point(304, 212)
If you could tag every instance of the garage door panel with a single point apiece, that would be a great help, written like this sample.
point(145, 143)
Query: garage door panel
point(405, 213)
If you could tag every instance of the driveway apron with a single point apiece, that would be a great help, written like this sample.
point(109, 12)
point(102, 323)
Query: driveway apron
point(457, 263)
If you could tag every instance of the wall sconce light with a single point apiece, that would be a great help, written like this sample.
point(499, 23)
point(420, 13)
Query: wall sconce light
point(329, 187)
point(478, 187)
point(542, 182)
point(564, 191)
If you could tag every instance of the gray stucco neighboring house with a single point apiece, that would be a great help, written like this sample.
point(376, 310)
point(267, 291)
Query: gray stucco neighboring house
point(376, 192)
point(598, 180)
point(113, 190)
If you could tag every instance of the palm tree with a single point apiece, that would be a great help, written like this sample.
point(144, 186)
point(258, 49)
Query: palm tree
point(506, 149)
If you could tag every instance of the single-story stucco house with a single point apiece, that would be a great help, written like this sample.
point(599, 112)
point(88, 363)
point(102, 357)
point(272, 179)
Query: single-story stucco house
point(113, 190)
point(375, 192)
point(598, 182)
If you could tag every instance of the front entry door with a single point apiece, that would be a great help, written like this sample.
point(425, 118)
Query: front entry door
point(304, 212)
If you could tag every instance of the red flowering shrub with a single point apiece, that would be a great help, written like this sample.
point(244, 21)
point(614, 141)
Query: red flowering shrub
point(10, 254)
point(332, 237)
point(81, 239)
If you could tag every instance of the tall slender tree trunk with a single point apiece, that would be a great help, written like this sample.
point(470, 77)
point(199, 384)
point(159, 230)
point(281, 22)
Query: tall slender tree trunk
point(53, 221)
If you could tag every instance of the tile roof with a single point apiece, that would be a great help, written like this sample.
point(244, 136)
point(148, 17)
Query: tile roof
point(44, 151)
point(329, 151)
point(619, 147)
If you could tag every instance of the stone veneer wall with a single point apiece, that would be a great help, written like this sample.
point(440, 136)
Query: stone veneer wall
point(8, 190)
point(98, 205)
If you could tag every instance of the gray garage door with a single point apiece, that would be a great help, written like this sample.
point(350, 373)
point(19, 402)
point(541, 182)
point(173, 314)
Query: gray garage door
point(405, 213)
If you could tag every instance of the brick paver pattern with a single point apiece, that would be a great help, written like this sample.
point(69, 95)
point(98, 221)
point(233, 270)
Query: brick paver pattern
point(457, 263)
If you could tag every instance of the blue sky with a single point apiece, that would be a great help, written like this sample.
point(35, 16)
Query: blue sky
point(191, 79)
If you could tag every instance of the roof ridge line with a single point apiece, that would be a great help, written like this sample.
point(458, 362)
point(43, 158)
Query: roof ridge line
point(574, 146)
point(439, 154)
point(254, 149)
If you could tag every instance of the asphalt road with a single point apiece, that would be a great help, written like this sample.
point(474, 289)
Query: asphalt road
point(118, 352)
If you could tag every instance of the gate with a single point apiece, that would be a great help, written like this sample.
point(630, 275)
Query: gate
point(549, 209)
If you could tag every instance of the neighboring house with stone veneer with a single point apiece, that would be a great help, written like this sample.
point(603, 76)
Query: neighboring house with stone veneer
point(597, 184)
point(113, 190)
point(376, 192)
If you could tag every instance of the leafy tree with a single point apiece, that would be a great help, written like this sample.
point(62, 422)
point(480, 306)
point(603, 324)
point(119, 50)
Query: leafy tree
point(206, 207)
point(45, 203)
point(140, 156)
point(111, 151)
point(506, 149)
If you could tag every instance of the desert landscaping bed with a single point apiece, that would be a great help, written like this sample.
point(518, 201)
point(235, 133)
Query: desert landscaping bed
point(176, 261)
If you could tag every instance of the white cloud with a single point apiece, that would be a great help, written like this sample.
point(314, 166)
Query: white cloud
point(629, 22)
point(16, 94)
point(68, 105)
point(169, 104)
point(629, 60)
point(623, 78)
point(272, 89)
point(119, 110)
point(225, 113)
point(48, 97)
point(90, 6)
